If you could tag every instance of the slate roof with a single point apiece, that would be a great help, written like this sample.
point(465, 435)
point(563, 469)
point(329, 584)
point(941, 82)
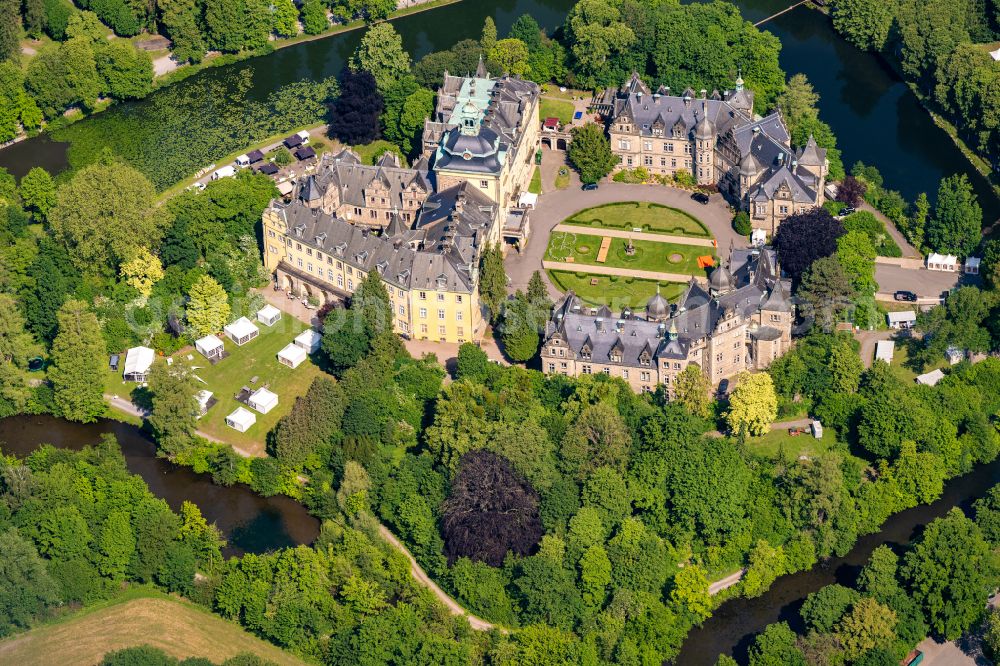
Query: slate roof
point(440, 252)
point(345, 171)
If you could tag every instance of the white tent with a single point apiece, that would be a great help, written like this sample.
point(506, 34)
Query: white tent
point(138, 361)
point(972, 265)
point(202, 397)
point(903, 319)
point(931, 378)
point(242, 331)
point(942, 262)
point(995, 54)
point(241, 419)
point(268, 314)
point(884, 350)
point(263, 400)
point(309, 340)
point(224, 172)
point(292, 355)
point(527, 200)
point(242, 160)
point(210, 346)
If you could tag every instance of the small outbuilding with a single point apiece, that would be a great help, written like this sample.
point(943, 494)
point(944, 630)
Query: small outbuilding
point(241, 419)
point(972, 265)
point(527, 200)
point(309, 340)
point(263, 400)
point(995, 55)
point(901, 320)
point(817, 429)
point(293, 141)
point(884, 350)
point(224, 172)
point(305, 153)
point(242, 331)
point(931, 378)
point(942, 262)
point(138, 361)
point(292, 355)
point(268, 168)
point(211, 347)
point(268, 315)
point(255, 156)
point(114, 361)
point(954, 355)
point(242, 161)
point(205, 401)
point(758, 237)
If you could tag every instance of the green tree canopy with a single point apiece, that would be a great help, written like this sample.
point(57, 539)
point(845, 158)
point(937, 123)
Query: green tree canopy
point(78, 356)
point(590, 153)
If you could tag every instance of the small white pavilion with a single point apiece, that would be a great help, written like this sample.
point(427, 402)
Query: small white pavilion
point(884, 350)
point(210, 346)
point(241, 419)
point(292, 355)
point(309, 340)
point(268, 314)
point(203, 399)
point(242, 331)
point(263, 400)
point(138, 361)
point(942, 262)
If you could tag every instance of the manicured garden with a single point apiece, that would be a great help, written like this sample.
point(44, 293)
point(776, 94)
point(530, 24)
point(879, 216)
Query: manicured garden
point(648, 255)
point(649, 217)
point(612, 290)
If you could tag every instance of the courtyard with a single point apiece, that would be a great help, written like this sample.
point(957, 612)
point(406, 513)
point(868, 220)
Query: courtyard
point(641, 216)
point(645, 255)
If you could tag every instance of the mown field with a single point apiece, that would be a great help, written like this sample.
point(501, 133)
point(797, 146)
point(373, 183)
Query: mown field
point(140, 616)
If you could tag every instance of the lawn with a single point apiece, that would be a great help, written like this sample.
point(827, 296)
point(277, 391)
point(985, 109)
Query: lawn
point(649, 217)
point(554, 108)
point(256, 358)
point(371, 152)
point(613, 291)
point(139, 616)
point(794, 446)
point(535, 186)
point(562, 178)
point(649, 255)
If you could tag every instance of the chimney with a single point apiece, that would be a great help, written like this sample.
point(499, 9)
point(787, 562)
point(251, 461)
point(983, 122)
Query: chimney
point(638, 95)
point(704, 94)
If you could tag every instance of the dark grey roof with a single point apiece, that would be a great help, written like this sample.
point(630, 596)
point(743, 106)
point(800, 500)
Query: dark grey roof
point(811, 154)
point(478, 152)
point(345, 172)
point(657, 306)
point(721, 280)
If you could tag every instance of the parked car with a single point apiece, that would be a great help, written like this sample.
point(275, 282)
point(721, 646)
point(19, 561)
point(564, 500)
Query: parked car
point(589, 186)
point(904, 295)
point(700, 197)
point(844, 212)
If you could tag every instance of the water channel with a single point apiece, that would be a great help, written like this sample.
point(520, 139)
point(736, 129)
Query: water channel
point(249, 522)
point(874, 115)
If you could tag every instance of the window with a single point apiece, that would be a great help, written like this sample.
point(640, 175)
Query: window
point(458, 316)
point(350, 271)
point(440, 314)
point(625, 145)
point(736, 359)
point(718, 358)
point(484, 184)
point(736, 345)
point(423, 328)
point(402, 310)
point(350, 285)
point(329, 274)
point(298, 246)
point(340, 281)
point(606, 370)
point(329, 261)
point(647, 160)
point(647, 145)
point(673, 163)
point(668, 147)
point(273, 249)
point(300, 262)
point(776, 317)
point(440, 298)
point(644, 376)
point(552, 367)
point(458, 298)
point(442, 330)
point(677, 366)
point(585, 370)
point(340, 265)
point(288, 242)
point(628, 160)
point(663, 161)
point(270, 233)
point(460, 331)
point(564, 365)
point(625, 373)
point(400, 293)
point(309, 267)
point(783, 210)
point(423, 295)
point(309, 251)
point(423, 313)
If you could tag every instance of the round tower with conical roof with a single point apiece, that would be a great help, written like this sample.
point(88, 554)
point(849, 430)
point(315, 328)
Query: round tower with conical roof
point(657, 307)
point(704, 140)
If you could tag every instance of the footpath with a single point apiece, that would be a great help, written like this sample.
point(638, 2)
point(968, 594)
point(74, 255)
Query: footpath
point(634, 235)
point(573, 267)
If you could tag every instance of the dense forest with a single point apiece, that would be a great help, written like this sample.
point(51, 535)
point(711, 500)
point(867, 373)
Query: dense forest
point(942, 47)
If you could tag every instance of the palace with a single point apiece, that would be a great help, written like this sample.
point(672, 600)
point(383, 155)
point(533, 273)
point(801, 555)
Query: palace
point(485, 132)
point(743, 321)
point(430, 268)
point(719, 141)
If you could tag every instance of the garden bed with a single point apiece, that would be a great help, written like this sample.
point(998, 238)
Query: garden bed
point(649, 217)
point(614, 291)
point(648, 255)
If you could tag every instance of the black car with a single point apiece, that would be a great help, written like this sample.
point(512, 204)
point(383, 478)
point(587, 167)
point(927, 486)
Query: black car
point(700, 197)
point(589, 186)
point(844, 212)
point(905, 296)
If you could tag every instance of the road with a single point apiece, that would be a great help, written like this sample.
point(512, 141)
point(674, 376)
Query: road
point(727, 582)
point(922, 282)
point(554, 207)
point(422, 578)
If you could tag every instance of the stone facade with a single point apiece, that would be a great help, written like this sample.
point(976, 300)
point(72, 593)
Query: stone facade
point(719, 141)
point(485, 132)
point(742, 321)
point(430, 268)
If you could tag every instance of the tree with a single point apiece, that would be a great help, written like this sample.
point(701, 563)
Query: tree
point(181, 20)
point(916, 229)
point(208, 309)
point(10, 30)
point(753, 405)
point(510, 56)
point(314, 18)
point(34, 18)
point(857, 255)
point(867, 626)
point(590, 153)
point(538, 293)
point(26, 588)
point(16, 344)
point(805, 237)
point(878, 577)
point(315, 418)
point(285, 17)
point(595, 576)
point(126, 70)
point(692, 391)
point(60, 76)
point(104, 215)
point(174, 408)
point(38, 192)
point(117, 545)
point(851, 191)
point(472, 363)
point(691, 592)
point(381, 54)
point(88, 26)
point(823, 609)
point(597, 438)
point(490, 512)
point(492, 280)
point(142, 271)
point(77, 359)
point(827, 290)
point(798, 101)
point(865, 23)
point(775, 646)
point(489, 38)
point(950, 570)
point(519, 331)
point(597, 35)
point(956, 227)
point(355, 113)
point(140, 655)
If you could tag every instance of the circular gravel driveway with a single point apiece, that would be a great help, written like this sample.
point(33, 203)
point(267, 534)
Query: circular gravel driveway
point(554, 207)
